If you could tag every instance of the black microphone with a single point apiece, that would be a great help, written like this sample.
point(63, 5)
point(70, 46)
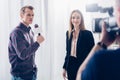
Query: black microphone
point(37, 29)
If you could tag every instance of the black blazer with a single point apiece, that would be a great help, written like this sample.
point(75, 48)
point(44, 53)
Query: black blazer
point(85, 43)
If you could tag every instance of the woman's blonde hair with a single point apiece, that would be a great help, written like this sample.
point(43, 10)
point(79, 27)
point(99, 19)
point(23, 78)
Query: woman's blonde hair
point(82, 26)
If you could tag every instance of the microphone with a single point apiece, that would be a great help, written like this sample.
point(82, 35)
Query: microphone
point(37, 29)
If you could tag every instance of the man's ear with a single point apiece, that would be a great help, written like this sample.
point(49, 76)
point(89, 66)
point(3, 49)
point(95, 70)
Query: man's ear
point(21, 15)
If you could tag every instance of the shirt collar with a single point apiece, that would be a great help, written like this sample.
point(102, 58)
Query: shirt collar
point(24, 27)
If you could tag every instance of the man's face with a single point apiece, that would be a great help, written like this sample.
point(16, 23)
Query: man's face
point(27, 16)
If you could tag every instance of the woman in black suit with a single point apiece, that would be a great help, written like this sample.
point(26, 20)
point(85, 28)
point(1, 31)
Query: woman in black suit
point(79, 42)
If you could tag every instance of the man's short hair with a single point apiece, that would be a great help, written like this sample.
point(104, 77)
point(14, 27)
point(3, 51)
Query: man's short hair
point(22, 10)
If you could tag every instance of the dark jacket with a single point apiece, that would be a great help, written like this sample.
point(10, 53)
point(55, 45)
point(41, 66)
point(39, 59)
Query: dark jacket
point(85, 43)
point(104, 65)
point(21, 51)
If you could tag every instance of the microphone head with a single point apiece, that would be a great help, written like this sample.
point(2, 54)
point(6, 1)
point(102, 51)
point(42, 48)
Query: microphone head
point(36, 26)
point(37, 30)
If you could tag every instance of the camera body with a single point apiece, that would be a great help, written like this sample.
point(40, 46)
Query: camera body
point(110, 22)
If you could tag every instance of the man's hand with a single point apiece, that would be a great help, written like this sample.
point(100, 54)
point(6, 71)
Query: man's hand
point(40, 39)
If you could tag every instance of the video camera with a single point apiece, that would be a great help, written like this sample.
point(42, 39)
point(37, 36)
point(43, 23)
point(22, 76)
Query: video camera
point(110, 21)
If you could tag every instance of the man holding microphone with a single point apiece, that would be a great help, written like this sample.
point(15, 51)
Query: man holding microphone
point(22, 47)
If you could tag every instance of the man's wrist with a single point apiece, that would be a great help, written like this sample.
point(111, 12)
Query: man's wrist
point(102, 45)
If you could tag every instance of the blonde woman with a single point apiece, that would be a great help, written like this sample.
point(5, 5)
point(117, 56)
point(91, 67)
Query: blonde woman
point(79, 42)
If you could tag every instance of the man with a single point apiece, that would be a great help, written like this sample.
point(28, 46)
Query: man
point(22, 47)
point(103, 64)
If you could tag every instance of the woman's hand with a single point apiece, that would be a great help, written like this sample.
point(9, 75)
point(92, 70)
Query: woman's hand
point(64, 74)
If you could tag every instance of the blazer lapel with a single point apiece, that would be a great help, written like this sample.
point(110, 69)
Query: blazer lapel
point(70, 40)
point(79, 39)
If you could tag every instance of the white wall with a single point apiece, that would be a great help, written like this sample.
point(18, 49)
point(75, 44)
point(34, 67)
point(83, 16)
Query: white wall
point(53, 17)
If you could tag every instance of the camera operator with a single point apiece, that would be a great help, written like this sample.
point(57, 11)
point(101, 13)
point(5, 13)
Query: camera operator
point(103, 64)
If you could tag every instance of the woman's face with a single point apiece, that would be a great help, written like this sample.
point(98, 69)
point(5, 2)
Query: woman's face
point(76, 19)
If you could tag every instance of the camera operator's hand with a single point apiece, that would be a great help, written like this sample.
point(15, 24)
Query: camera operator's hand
point(105, 37)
